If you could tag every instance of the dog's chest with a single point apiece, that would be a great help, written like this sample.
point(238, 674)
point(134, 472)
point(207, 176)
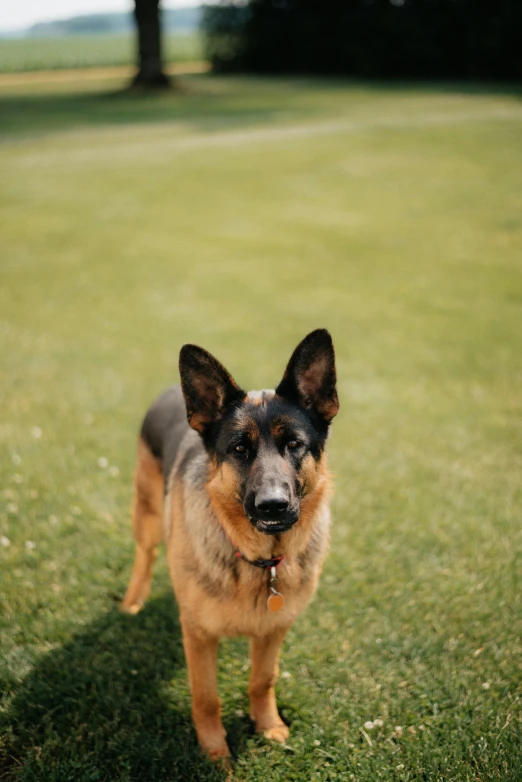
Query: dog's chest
point(244, 609)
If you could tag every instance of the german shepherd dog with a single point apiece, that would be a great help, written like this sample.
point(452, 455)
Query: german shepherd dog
point(237, 485)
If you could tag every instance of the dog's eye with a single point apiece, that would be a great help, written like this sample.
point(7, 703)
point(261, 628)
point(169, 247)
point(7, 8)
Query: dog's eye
point(240, 449)
point(293, 444)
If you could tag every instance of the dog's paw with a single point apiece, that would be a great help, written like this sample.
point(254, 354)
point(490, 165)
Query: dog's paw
point(278, 733)
point(220, 754)
point(132, 608)
point(213, 743)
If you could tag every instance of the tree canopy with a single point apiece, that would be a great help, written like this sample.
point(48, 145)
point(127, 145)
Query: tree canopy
point(368, 38)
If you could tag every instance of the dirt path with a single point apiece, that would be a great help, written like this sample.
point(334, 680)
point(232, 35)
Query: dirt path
point(92, 74)
point(132, 142)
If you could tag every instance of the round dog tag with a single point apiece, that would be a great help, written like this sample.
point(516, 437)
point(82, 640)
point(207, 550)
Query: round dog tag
point(275, 602)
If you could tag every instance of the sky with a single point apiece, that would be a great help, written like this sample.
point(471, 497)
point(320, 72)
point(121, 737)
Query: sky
point(26, 12)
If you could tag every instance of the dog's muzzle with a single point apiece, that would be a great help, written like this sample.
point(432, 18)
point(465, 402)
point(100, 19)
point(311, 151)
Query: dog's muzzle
point(271, 513)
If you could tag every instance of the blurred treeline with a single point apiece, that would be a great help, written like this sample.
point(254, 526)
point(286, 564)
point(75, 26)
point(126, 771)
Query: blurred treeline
point(178, 20)
point(477, 39)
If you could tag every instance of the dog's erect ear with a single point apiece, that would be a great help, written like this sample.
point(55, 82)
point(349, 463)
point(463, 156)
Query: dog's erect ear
point(309, 379)
point(207, 387)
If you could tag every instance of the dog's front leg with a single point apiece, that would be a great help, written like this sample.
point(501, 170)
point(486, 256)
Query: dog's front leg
point(264, 655)
point(201, 655)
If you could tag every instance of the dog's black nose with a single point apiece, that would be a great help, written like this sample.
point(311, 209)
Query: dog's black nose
point(271, 506)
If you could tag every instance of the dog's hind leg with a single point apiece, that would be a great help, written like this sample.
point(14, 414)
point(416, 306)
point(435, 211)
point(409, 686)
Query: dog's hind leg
point(148, 526)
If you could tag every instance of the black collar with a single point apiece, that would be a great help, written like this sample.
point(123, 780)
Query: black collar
point(263, 563)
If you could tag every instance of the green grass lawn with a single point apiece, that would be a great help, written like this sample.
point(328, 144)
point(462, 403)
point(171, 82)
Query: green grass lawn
point(88, 51)
point(240, 214)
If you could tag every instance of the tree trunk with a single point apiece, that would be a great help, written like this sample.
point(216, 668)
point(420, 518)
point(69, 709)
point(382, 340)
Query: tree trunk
point(150, 73)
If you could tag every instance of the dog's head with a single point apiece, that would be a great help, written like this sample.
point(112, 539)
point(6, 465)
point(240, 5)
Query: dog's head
point(266, 445)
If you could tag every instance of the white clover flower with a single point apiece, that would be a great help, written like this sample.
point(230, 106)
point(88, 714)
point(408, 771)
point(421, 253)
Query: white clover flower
point(486, 686)
point(316, 743)
point(368, 725)
point(378, 723)
point(30, 545)
point(103, 462)
point(36, 432)
point(5, 542)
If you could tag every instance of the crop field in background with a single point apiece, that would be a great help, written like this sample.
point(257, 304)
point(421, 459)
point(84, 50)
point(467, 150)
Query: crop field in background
point(88, 51)
point(239, 214)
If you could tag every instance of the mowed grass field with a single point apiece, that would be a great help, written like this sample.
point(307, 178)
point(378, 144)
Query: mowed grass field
point(87, 51)
point(240, 214)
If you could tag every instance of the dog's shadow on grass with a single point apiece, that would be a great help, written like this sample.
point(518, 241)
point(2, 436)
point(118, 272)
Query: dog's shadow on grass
point(111, 704)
